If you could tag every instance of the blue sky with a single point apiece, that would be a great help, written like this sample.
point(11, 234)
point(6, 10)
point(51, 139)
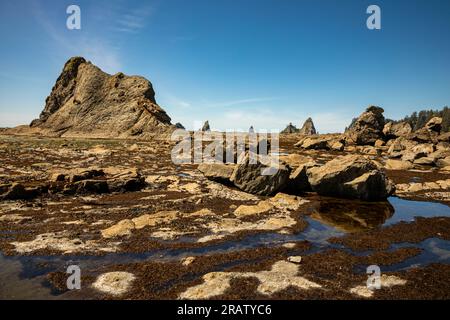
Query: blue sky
point(237, 63)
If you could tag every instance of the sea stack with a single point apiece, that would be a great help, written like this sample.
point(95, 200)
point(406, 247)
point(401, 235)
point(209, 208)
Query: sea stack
point(206, 126)
point(290, 129)
point(87, 102)
point(308, 128)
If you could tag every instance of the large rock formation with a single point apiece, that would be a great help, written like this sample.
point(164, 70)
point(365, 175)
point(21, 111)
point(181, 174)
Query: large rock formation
point(206, 126)
point(394, 130)
point(351, 177)
point(308, 128)
point(429, 133)
point(368, 128)
point(87, 102)
point(290, 129)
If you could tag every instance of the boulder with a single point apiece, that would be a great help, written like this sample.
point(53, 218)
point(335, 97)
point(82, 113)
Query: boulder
point(418, 151)
point(259, 178)
point(368, 127)
point(429, 133)
point(445, 137)
point(371, 186)
point(434, 124)
point(444, 162)
point(322, 142)
point(393, 130)
point(298, 179)
point(90, 186)
point(336, 145)
point(295, 160)
point(351, 176)
point(217, 171)
point(17, 191)
point(369, 150)
point(87, 102)
point(398, 146)
point(317, 143)
point(425, 161)
point(308, 128)
point(126, 183)
point(379, 143)
point(84, 174)
point(392, 164)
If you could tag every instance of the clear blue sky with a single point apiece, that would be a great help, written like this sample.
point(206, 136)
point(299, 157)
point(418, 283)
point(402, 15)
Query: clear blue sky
point(237, 63)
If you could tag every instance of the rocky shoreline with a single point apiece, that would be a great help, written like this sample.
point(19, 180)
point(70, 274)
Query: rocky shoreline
point(93, 182)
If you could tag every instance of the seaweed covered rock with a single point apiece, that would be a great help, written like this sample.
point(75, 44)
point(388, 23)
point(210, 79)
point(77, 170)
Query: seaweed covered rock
point(351, 176)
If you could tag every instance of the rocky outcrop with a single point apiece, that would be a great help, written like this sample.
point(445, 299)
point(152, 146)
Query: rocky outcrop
point(87, 102)
point(394, 130)
point(368, 128)
point(206, 126)
point(429, 133)
point(351, 177)
point(179, 126)
point(308, 128)
point(290, 129)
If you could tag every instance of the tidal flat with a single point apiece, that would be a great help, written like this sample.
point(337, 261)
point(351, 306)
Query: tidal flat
point(141, 227)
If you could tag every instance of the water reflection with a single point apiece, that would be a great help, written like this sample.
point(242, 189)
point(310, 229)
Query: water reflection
point(351, 216)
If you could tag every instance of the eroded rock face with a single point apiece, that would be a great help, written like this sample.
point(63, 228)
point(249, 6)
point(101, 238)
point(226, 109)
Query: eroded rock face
point(87, 102)
point(368, 128)
point(308, 128)
point(251, 178)
point(351, 177)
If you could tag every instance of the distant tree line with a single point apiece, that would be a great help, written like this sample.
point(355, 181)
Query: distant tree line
point(418, 120)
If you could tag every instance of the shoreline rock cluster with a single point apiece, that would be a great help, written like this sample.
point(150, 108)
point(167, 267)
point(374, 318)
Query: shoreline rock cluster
point(78, 181)
point(350, 176)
